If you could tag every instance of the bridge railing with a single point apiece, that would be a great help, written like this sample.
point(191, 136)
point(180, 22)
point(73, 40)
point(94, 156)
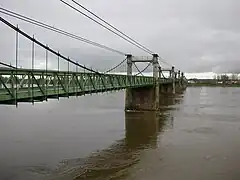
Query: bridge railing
point(29, 85)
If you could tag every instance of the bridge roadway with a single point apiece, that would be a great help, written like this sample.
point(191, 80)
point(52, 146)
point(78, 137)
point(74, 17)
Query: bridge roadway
point(27, 85)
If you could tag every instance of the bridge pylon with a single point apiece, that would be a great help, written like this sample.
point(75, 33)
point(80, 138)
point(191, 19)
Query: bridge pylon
point(128, 96)
point(156, 77)
point(143, 98)
point(173, 80)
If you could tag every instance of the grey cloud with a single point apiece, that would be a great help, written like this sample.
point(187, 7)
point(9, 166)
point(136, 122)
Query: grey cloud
point(194, 35)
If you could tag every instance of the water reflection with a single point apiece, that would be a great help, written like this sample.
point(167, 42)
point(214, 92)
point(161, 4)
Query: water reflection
point(141, 130)
point(141, 133)
point(202, 139)
point(170, 102)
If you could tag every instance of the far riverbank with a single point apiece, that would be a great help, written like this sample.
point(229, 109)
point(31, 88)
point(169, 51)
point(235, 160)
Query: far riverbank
point(212, 85)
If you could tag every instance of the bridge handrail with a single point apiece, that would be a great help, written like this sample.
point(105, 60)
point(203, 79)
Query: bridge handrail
point(20, 71)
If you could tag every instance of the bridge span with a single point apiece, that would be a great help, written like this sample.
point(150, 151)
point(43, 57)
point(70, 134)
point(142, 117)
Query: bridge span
point(31, 85)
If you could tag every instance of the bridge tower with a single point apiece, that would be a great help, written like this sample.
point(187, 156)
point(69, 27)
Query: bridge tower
point(143, 98)
point(173, 80)
point(183, 81)
point(156, 77)
point(128, 99)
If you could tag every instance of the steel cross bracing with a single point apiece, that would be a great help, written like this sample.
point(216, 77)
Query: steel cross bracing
point(26, 85)
point(30, 85)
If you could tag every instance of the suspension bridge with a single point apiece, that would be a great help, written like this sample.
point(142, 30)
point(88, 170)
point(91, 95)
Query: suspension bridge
point(18, 84)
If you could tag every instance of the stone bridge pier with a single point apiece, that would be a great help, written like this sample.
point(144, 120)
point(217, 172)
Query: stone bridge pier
point(144, 98)
point(177, 84)
point(147, 98)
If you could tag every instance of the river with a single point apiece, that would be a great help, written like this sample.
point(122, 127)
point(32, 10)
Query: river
point(195, 135)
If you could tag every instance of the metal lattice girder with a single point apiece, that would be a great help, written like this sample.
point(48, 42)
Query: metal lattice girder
point(28, 85)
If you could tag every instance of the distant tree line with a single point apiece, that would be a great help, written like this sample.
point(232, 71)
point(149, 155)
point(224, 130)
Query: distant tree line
point(224, 78)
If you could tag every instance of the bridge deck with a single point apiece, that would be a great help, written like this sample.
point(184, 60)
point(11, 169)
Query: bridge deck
point(26, 85)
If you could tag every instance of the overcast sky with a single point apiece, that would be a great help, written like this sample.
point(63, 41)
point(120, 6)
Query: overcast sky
point(193, 35)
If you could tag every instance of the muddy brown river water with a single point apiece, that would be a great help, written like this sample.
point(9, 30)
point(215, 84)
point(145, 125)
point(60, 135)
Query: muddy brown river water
point(195, 135)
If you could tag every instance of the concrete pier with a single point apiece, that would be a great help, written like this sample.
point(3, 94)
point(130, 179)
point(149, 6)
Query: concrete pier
point(147, 98)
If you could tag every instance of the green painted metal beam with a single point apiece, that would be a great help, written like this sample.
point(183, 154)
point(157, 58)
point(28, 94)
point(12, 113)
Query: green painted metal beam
point(30, 85)
point(26, 85)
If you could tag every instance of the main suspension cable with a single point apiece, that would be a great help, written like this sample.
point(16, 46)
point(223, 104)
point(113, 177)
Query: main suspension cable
point(72, 7)
point(143, 69)
point(115, 67)
point(57, 30)
point(140, 73)
point(111, 26)
point(44, 46)
point(7, 65)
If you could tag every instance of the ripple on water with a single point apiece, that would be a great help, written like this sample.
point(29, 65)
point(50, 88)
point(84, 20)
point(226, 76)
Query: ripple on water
point(102, 165)
point(201, 130)
point(25, 173)
point(221, 117)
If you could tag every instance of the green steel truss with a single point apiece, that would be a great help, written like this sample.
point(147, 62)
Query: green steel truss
point(26, 85)
point(30, 85)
